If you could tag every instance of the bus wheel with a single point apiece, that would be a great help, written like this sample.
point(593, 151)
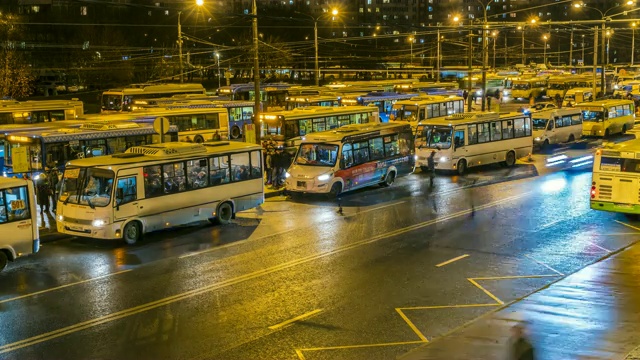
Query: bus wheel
point(571, 138)
point(336, 189)
point(389, 179)
point(510, 159)
point(4, 260)
point(606, 133)
point(624, 128)
point(235, 132)
point(131, 233)
point(225, 214)
point(198, 139)
point(462, 167)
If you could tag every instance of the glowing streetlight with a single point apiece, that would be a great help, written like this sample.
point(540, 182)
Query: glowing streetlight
point(334, 12)
point(199, 2)
point(545, 38)
point(494, 34)
point(411, 39)
point(633, 40)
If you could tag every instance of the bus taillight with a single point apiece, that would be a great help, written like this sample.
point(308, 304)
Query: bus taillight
point(593, 191)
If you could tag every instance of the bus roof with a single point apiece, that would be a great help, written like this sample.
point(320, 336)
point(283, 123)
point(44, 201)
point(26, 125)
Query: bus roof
point(86, 131)
point(161, 152)
point(354, 130)
point(470, 118)
point(154, 88)
point(428, 99)
point(7, 182)
point(39, 105)
point(605, 102)
point(306, 111)
point(311, 98)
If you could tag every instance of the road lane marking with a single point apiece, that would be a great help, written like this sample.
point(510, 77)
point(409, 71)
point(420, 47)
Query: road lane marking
point(543, 264)
point(452, 260)
point(239, 279)
point(363, 346)
point(486, 291)
point(509, 277)
point(598, 246)
point(435, 307)
point(412, 326)
point(297, 318)
point(375, 208)
point(62, 286)
point(627, 225)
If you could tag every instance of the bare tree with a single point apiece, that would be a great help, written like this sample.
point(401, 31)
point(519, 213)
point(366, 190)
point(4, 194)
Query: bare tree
point(16, 76)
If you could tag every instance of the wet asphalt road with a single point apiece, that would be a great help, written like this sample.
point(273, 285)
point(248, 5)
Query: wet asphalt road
point(364, 284)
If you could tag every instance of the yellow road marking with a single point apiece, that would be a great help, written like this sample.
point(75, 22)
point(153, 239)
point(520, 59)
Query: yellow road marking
point(233, 281)
point(62, 286)
point(373, 209)
point(297, 318)
point(363, 346)
point(628, 225)
point(300, 355)
point(599, 247)
point(452, 260)
point(412, 326)
point(486, 291)
point(543, 264)
point(447, 306)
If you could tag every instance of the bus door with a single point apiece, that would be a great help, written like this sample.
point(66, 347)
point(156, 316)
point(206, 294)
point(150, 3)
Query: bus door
point(127, 195)
point(20, 211)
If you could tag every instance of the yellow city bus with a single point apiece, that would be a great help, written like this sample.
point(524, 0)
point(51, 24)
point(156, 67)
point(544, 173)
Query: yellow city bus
point(607, 117)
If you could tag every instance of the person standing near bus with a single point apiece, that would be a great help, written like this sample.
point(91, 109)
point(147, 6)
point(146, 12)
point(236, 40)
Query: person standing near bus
point(43, 191)
point(53, 183)
point(431, 165)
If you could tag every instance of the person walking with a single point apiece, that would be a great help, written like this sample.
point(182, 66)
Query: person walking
point(268, 166)
point(43, 191)
point(53, 183)
point(431, 165)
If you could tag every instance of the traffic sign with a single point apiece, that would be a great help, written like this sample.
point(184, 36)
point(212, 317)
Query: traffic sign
point(161, 125)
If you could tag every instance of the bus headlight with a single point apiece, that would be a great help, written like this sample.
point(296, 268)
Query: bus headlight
point(537, 138)
point(60, 218)
point(287, 175)
point(98, 223)
point(444, 158)
point(324, 177)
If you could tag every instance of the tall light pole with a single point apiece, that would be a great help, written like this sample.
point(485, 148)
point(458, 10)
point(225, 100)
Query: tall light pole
point(633, 40)
point(180, 48)
point(521, 28)
point(457, 19)
point(334, 12)
point(494, 34)
point(411, 43)
point(583, 62)
point(218, 58)
point(438, 57)
point(545, 38)
point(570, 48)
point(256, 74)
point(608, 34)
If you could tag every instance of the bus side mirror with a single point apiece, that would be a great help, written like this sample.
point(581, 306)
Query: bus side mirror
point(341, 162)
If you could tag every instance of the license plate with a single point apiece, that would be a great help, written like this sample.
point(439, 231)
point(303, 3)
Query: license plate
point(302, 184)
point(624, 206)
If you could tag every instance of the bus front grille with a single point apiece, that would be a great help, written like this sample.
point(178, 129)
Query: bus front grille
point(78, 221)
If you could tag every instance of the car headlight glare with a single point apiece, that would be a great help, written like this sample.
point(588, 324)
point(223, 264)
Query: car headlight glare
point(443, 159)
point(287, 175)
point(537, 138)
point(324, 177)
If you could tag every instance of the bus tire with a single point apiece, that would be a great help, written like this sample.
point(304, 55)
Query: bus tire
point(199, 139)
point(572, 138)
point(389, 179)
point(235, 132)
point(624, 129)
point(545, 144)
point(336, 189)
point(462, 167)
point(607, 133)
point(224, 213)
point(510, 159)
point(132, 232)
point(4, 259)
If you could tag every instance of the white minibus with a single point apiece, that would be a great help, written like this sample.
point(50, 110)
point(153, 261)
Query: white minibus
point(556, 126)
point(18, 220)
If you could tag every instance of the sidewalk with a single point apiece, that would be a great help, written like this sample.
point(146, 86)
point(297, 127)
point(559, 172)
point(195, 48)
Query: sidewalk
point(591, 314)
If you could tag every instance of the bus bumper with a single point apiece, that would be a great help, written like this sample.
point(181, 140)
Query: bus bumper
point(613, 207)
point(111, 231)
point(308, 186)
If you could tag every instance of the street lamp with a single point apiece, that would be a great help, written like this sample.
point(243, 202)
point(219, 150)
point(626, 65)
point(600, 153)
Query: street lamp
point(494, 34)
point(583, 62)
point(334, 12)
point(470, 61)
point(218, 58)
point(545, 38)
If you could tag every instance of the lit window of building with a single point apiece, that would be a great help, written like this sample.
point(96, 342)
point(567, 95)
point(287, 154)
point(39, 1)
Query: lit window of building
point(83, 10)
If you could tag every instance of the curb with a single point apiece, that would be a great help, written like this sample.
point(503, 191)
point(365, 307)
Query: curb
point(271, 194)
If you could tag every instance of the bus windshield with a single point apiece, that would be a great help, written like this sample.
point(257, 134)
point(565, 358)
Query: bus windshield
point(593, 116)
point(557, 86)
point(434, 137)
point(539, 124)
point(521, 86)
point(406, 112)
point(87, 186)
point(317, 154)
point(112, 102)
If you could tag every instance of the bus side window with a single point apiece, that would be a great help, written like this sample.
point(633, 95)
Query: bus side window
point(126, 190)
point(347, 156)
point(458, 139)
point(3, 209)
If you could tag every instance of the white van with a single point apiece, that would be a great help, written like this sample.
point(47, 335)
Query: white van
point(18, 220)
point(556, 126)
point(577, 95)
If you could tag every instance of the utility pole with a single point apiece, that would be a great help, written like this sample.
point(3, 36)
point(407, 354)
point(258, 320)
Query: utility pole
point(595, 61)
point(602, 85)
point(571, 49)
point(438, 58)
point(256, 76)
point(469, 89)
